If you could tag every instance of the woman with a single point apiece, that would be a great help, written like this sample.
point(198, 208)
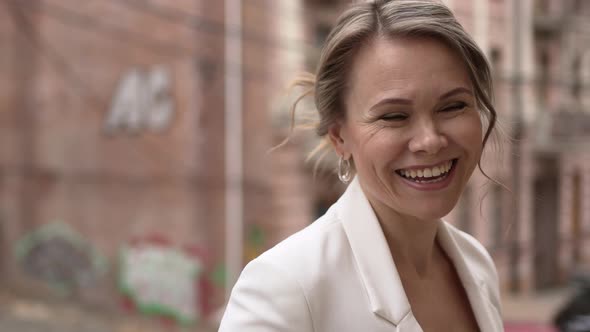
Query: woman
point(404, 98)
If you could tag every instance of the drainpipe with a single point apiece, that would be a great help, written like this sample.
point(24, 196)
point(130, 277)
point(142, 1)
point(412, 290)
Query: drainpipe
point(234, 204)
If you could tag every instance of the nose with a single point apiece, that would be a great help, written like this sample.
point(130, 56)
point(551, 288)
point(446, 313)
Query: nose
point(427, 139)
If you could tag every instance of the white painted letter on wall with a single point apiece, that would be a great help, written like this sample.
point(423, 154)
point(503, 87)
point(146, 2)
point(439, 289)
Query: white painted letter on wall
point(142, 101)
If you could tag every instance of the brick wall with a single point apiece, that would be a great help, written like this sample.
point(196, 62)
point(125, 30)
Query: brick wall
point(111, 187)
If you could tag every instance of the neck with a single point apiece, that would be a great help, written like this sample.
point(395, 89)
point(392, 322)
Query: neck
point(412, 241)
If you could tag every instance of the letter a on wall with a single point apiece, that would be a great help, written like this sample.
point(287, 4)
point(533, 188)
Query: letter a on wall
point(142, 102)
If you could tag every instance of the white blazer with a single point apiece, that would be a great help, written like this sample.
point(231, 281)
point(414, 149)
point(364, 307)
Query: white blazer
point(337, 275)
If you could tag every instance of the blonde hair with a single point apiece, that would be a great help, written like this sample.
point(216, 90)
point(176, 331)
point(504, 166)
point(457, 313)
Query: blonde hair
point(365, 21)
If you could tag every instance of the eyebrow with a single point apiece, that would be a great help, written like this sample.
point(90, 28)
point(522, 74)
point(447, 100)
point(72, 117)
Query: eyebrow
point(456, 91)
point(402, 101)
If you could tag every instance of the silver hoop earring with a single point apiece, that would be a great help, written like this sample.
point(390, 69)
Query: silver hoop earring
point(344, 172)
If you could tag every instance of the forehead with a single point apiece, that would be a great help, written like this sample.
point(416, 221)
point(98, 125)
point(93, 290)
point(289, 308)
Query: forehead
point(406, 65)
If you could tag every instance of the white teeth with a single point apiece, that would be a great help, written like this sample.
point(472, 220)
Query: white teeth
point(427, 172)
point(435, 171)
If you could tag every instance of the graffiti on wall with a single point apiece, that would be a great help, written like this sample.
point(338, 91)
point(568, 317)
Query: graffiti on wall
point(158, 278)
point(143, 101)
point(175, 282)
point(57, 255)
point(255, 242)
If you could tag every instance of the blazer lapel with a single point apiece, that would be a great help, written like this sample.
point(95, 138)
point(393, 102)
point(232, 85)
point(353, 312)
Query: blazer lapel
point(376, 267)
point(474, 285)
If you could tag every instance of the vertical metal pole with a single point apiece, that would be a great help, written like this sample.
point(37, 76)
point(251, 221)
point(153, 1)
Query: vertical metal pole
point(233, 142)
point(516, 148)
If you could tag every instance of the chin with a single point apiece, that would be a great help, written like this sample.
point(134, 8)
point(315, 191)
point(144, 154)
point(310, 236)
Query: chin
point(433, 212)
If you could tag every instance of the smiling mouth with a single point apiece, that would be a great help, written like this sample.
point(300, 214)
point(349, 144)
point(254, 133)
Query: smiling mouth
point(433, 174)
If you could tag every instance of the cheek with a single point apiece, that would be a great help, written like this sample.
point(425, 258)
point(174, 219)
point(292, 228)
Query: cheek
point(376, 148)
point(467, 129)
point(473, 145)
point(382, 146)
point(367, 138)
point(472, 133)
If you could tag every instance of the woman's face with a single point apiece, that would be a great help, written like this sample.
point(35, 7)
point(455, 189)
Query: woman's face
point(412, 126)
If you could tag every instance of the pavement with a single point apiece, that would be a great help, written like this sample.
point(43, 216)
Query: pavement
point(533, 312)
point(522, 313)
point(25, 314)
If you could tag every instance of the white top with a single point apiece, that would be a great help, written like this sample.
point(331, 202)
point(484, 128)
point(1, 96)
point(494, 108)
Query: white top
point(337, 275)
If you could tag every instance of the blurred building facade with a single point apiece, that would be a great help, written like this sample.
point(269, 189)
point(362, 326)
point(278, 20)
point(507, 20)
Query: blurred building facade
point(103, 130)
point(536, 232)
point(112, 122)
point(534, 216)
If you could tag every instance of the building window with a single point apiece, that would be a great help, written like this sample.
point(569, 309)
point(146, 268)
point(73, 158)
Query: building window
point(322, 31)
point(465, 205)
point(497, 216)
point(576, 79)
point(543, 63)
point(578, 6)
point(542, 7)
point(496, 61)
point(576, 222)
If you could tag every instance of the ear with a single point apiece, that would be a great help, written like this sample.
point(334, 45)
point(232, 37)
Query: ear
point(338, 137)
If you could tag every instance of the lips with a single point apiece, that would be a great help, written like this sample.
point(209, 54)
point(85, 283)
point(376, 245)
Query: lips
point(430, 174)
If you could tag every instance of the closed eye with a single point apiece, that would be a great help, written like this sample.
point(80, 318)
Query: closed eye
point(395, 117)
point(454, 107)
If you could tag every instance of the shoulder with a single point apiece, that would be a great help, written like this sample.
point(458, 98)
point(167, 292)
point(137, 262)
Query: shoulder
point(274, 289)
point(310, 254)
point(313, 242)
point(266, 299)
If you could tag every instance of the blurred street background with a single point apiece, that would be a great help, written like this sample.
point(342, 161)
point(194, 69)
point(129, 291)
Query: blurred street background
point(135, 173)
